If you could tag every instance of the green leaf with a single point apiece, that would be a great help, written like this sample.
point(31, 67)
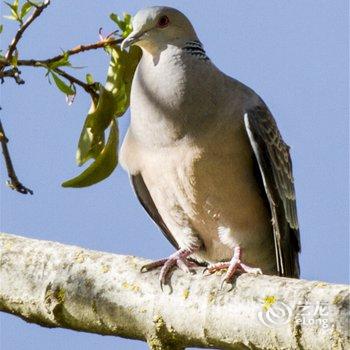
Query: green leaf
point(104, 164)
point(66, 89)
point(92, 136)
point(90, 144)
point(89, 78)
point(13, 7)
point(14, 59)
point(14, 10)
point(12, 18)
point(1, 28)
point(115, 18)
point(112, 101)
point(25, 9)
point(37, 4)
point(124, 24)
point(70, 98)
point(63, 62)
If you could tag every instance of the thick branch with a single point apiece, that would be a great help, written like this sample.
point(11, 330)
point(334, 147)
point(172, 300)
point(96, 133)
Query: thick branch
point(13, 183)
point(55, 285)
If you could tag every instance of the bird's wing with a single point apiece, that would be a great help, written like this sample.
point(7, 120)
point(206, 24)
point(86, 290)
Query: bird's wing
point(146, 200)
point(275, 165)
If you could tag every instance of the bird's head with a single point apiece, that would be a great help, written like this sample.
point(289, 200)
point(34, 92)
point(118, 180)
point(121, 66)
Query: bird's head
point(156, 27)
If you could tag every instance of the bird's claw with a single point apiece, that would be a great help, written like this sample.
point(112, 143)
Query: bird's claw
point(182, 263)
point(233, 267)
point(248, 269)
point(178, 259)
point(152, 265)
point(206, 272)
point(224, 282)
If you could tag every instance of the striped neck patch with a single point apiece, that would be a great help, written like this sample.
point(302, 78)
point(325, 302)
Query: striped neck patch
point(195, 48)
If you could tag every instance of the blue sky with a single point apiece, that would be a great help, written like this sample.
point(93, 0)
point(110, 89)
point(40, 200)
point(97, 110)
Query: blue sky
point(294, 54)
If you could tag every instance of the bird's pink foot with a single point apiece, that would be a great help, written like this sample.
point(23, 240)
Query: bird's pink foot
point(232, 267)
point(179, 259)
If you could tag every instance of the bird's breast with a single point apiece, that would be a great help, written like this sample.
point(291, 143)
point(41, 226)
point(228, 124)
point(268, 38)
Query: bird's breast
point(168, 98)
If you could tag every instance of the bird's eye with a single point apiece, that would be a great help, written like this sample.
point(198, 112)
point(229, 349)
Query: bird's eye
point(163, 22)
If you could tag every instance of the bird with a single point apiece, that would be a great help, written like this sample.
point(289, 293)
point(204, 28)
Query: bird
point(205, 158)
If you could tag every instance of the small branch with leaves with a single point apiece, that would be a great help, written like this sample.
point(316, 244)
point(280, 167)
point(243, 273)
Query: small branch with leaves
point(107, 104)
point(11, 57)
point(52, 64)
point(19, 16)
point(76, 50)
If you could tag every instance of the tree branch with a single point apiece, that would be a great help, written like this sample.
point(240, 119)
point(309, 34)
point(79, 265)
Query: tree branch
point(55, 285)
point(76, 50)
point(36, 13)
point(89, 88)
point(12, 73)
point(13, 183)
point(45, 63)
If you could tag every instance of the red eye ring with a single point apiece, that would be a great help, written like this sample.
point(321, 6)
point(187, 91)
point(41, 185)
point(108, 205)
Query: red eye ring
point(163, 22)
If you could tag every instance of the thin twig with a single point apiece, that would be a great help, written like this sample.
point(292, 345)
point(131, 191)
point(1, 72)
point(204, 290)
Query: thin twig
point(12, 73)
point(36, 13)
point(13, 183)
point(76, 50)
point(89, 88)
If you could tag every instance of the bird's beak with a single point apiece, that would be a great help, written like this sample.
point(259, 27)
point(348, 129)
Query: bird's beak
point(131, 39)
